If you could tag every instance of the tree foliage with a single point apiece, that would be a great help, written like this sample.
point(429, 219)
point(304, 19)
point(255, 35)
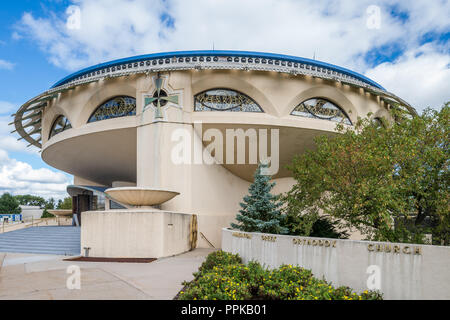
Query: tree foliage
point(66, 203)
point(9, 205)
point(260, 209)
point(30, 200)
point(323, 227)
point(50, 204)
point(390, 182)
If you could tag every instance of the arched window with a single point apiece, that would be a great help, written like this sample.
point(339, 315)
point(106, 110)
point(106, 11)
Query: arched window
point(60, 124)
point(116, 107)
point(224, 100)
point(320, 108)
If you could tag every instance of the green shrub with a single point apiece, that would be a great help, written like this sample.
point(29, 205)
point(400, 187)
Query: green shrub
point(295, 283)
point(324, 228)
point(218, 258)
point(286, 283)
point(222, 283)
point(46, 214)
point(223, 277)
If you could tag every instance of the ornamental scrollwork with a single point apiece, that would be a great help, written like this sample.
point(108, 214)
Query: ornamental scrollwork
point(225, 100)
point(320, 108)
point(116, 107)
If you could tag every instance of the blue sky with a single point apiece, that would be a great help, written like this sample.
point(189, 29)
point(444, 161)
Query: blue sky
point(31, 73)
point(407, 52)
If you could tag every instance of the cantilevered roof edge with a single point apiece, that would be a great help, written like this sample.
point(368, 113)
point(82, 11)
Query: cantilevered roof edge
point(228, 53)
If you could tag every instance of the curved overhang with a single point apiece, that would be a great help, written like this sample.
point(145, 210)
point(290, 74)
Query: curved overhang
point(102, 156)
point(74, 190)
point(107, 155)
point(27, 120)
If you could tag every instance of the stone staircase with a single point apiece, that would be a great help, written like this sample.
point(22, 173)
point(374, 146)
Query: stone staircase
point(60, 240)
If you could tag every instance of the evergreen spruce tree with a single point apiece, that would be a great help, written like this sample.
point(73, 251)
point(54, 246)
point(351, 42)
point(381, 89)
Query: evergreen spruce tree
point(260, 210)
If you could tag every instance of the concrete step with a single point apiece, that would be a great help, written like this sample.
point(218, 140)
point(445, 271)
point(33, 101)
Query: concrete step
point(61, 240)
point(40, 238)
point(53, 252)
point(3, 248)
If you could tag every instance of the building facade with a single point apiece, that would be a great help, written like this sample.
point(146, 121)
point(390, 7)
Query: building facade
point(124, 123)
point(31, 212)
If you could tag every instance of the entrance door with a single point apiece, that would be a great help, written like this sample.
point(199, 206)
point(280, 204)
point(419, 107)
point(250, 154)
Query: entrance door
point(82, 203)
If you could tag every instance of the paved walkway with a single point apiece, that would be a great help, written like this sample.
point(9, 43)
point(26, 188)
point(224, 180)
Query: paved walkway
point(36, 276)
point(64, 240)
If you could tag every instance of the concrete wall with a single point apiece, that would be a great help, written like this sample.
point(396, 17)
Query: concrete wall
point(143, 233)
point(29, 212)
point(407, 271)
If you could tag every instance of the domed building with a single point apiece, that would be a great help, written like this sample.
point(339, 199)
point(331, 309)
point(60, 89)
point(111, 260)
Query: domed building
point(148, 123)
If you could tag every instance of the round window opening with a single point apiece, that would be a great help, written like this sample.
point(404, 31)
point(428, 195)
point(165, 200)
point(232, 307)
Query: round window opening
point(157, 97)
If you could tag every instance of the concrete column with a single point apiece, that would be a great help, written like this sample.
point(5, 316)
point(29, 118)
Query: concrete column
point(155, 166)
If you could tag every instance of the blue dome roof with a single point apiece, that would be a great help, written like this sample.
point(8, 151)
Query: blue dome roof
point(226, 53)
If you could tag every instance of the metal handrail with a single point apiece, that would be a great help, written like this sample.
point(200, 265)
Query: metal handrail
point(26, 223)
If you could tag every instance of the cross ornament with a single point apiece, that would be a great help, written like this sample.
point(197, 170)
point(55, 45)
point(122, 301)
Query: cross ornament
point(160, 97)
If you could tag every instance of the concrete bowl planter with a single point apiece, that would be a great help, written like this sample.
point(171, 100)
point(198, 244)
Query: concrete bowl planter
point(60, 212)
point(140, 197)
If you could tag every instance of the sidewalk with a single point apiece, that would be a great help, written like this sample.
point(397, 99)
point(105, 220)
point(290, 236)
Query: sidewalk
point(32, 276)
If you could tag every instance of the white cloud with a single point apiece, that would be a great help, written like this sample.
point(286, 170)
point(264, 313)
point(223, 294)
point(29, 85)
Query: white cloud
point(16, 36)
point(420, 76)
point(17, 177)
point(7, 107)
point(6, 65)
point(9, 141)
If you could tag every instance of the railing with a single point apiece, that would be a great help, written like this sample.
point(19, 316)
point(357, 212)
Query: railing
point(31, 222)
point(209, 242)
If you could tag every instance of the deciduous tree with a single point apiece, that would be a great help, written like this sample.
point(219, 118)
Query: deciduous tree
point(389, 181)
point(9, 205)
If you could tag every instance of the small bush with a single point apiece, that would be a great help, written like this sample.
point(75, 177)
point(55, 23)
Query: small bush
point(295, 283)
point(222, 283)
point(223, 277)
point(324, 228)
point(46, 214)
point(217, 258)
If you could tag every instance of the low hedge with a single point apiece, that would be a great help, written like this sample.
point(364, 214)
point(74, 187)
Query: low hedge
point(223, 276)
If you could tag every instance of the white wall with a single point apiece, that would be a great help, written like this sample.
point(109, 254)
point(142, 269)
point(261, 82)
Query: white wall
point(31, 211)
point(140, 233)
point(407, 271)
